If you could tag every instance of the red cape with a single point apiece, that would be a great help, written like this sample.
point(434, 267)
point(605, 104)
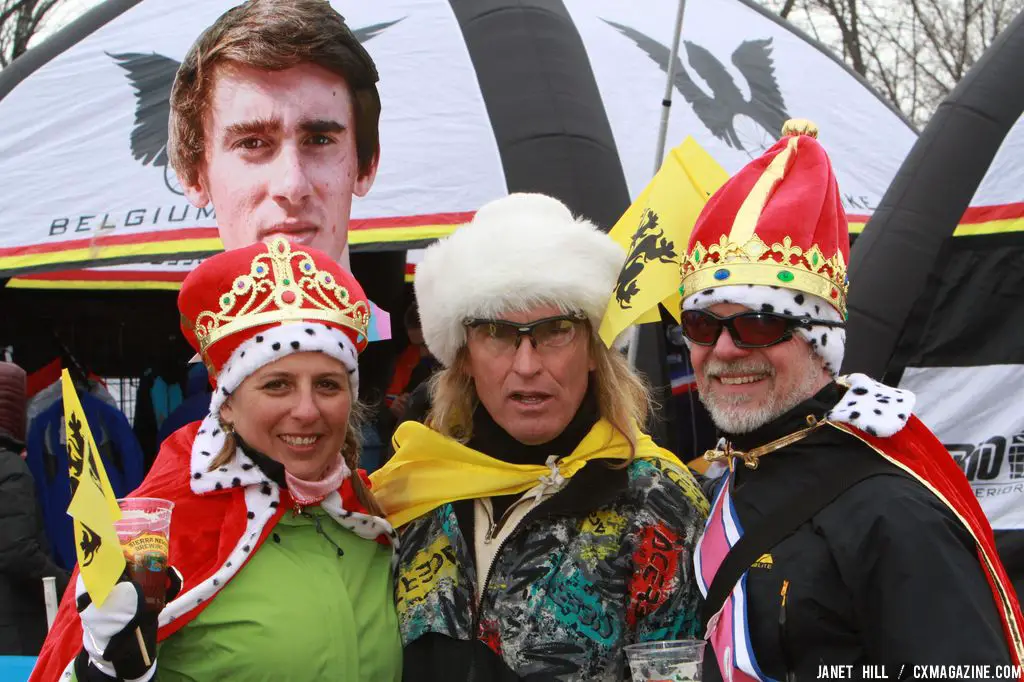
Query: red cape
point(916, 450)
point(204, 530)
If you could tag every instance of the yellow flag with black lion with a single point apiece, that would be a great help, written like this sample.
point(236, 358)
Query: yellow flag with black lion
point(654, 231)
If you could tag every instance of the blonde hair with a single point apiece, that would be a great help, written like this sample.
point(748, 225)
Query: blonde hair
point(350, 451)
point(623, 398)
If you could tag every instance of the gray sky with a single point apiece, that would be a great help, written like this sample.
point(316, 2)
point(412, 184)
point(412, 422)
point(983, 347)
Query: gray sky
point(65, 12)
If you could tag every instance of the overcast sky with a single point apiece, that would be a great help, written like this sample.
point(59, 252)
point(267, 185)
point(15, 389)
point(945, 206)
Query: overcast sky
point(65, 12)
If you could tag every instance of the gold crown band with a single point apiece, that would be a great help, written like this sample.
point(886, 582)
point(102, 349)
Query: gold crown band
point(765, 274)
point(274, 316)
point(754, 262)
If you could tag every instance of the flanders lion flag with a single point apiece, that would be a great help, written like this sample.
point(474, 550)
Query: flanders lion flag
point(93, 505)
point(654, 231)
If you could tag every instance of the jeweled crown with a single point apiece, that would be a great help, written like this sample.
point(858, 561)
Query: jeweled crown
point(746, 232)
point(283, 284)
point(755, 262)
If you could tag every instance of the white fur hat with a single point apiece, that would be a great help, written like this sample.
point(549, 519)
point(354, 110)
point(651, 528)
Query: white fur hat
point(518, 252)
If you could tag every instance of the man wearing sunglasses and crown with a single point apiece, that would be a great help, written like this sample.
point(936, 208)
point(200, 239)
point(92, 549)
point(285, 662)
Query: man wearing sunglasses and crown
point(842, 533)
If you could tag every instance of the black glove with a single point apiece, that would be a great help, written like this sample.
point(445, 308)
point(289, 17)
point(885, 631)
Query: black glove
point(110, 633)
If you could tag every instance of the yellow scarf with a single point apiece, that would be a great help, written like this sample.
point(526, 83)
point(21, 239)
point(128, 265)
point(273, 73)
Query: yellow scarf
point(429, 470)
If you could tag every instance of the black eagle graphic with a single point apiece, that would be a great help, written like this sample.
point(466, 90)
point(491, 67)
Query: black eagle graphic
point(648, 244)
point(152, 76)
point(719, 112)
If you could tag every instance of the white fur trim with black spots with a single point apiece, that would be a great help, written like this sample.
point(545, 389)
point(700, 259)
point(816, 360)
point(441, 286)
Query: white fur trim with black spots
point(828, 342)
point(873, 407)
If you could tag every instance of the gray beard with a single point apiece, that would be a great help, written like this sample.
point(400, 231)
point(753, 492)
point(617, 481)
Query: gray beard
point(737, 417)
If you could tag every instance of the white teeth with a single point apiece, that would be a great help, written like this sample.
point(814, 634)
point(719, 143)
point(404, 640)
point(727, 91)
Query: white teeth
point(299, 440)
point(736, 381)
point(529, 399)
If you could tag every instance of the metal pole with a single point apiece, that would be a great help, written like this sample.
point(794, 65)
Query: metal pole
point(50, 599)
point(666, 101)
point(659, 153)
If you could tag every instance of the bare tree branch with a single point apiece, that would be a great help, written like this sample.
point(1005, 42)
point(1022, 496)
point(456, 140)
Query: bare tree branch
point(913, 51)
point(20, 21)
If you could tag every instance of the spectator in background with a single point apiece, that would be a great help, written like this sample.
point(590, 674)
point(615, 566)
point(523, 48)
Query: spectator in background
point(24, 550)
point(414, 366)
point(408, 395)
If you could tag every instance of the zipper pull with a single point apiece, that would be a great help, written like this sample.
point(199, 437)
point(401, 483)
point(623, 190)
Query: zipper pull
point(790, 674)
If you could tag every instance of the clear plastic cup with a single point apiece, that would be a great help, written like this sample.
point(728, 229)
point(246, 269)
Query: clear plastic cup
point(144, 532)
point(670, 661)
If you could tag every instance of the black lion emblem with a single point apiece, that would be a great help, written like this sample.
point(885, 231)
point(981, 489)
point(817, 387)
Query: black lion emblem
point(79, 454)
point(648, 244)
point(90, 544)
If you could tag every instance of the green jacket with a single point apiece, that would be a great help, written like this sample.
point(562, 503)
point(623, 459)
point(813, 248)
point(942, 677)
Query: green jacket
point(297, 611)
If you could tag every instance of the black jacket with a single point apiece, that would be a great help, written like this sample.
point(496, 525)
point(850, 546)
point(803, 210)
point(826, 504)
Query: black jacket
point(885, 574)
point(24, 558)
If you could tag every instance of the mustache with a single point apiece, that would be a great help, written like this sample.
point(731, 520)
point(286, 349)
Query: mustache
point(716, 368)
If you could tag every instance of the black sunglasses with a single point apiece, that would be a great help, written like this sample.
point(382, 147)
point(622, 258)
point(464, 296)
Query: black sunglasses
point(748, 329)
point(550, 332)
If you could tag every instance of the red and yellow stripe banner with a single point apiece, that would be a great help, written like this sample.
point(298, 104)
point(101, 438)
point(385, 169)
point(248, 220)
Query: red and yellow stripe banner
point(189, 242)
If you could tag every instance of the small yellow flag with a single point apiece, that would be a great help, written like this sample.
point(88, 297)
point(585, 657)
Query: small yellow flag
point(93, 504)
point(654, 230)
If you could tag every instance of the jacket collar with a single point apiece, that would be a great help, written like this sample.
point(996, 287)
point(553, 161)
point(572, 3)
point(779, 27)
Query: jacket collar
point(597, 484)
point(272, 468)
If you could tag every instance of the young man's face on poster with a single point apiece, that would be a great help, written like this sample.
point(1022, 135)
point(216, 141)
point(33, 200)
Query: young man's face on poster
point(280, 157)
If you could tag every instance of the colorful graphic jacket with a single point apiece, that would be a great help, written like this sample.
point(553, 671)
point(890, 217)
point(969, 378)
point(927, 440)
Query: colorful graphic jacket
point(605, 562)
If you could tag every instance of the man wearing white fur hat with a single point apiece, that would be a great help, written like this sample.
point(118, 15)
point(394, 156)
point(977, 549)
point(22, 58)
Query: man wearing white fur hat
point(542, 530)
point(843, 533)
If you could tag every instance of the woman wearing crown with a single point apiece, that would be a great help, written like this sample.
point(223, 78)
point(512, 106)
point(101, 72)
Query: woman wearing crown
point(282, 557)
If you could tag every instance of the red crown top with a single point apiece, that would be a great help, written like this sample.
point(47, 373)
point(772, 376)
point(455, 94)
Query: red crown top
point(779, 221)
point(234, 295)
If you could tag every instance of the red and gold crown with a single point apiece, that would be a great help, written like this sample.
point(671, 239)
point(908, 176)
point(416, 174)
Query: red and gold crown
point(234, 295)
point(779, 222)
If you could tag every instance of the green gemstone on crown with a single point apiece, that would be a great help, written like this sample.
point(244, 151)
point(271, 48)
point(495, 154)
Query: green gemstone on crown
point(785, 276)
point(287, 282)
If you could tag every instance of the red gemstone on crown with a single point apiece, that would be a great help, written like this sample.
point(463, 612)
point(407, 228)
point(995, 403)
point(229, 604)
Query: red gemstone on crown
point(288, 297)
